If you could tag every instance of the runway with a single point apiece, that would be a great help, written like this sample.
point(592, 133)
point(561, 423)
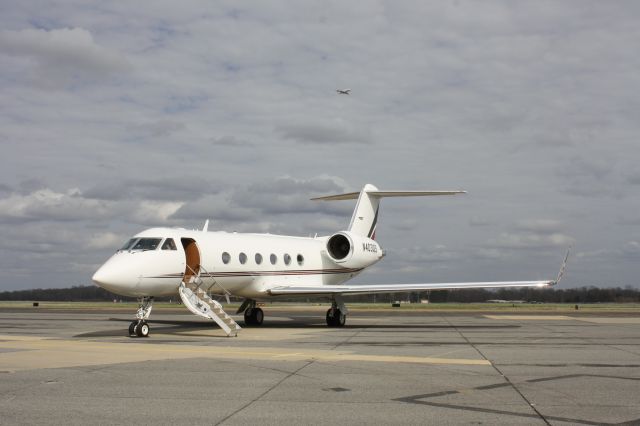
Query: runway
point(388, 367)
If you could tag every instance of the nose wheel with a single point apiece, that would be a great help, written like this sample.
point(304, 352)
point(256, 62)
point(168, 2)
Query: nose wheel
point(139, 328)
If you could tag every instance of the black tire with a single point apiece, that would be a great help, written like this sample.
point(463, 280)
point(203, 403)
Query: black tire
point(132, 328)
point(335, 318)
point(332, 317)
point(329, 318)
point(257, 316)
point(248, 316)
point(142, 329)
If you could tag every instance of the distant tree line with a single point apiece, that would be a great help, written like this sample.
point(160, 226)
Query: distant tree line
point(544, 295)
point(79, 293)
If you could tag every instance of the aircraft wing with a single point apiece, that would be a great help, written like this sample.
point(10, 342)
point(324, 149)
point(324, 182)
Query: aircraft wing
point(343, 289)
point(329, 290)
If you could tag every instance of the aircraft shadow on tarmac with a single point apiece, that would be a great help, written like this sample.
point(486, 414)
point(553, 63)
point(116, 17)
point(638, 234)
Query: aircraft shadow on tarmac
point(320, 323)
point(181, 326)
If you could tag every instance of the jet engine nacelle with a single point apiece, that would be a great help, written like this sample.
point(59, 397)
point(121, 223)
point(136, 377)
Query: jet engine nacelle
point(353, 251)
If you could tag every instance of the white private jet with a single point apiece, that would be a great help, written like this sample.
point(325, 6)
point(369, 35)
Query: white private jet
point(343, 91)
point(197, 264)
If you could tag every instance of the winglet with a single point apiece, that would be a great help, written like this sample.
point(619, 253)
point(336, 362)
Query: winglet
point(205, 228)
point(562, 268)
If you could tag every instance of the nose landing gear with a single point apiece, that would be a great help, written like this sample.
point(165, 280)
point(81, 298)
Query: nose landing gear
point(139, 327)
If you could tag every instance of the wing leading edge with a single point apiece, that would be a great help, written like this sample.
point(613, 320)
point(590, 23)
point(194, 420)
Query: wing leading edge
point(329, 290)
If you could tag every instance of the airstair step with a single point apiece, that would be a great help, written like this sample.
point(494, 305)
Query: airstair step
point(199, 303)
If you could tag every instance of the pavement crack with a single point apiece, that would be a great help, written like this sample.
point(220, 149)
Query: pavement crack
point(504, 376)
point(278, 383)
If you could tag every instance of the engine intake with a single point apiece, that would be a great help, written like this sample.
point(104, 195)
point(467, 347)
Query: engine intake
point(350, 250)
point(339, 246)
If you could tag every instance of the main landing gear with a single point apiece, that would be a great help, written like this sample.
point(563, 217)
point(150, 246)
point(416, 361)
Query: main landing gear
point(337, 314)
point(335, 318)
point(252, 314)
point(139, 327)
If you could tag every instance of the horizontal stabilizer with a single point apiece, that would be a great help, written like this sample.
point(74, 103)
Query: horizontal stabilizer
point(365, 216)
point(381, 194)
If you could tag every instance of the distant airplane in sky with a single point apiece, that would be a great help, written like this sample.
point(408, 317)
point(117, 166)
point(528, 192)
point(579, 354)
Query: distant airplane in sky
point(197, 264)
point(343, 91)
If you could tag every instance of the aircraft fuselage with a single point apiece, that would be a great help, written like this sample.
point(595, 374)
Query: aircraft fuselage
point(246, 265)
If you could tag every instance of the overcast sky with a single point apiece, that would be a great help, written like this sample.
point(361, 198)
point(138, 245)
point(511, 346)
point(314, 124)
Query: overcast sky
point(119, 116)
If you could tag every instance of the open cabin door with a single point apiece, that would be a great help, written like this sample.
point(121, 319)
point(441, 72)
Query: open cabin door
point(196, 298)
point(192, 258)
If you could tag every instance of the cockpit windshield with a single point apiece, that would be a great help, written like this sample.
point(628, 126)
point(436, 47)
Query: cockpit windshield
point(128, 244)
point(146, 244)
point(169, 244)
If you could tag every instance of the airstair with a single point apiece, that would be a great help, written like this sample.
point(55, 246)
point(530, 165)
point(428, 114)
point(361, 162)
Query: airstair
point(198, 301)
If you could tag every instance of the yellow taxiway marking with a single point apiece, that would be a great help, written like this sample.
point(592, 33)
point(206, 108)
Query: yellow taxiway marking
point(530, 317)
point(252, 333)
point(611, 320)
point(34, 353)
point(594, 320)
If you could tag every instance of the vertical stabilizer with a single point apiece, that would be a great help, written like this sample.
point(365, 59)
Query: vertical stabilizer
point(365, 216)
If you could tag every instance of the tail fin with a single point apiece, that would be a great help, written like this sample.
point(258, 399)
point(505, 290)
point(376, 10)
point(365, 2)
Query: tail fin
point(365, 215)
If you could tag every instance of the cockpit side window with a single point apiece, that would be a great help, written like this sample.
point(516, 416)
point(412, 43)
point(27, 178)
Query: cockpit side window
point(169, 244)
point(147, 244)
point(128, 244)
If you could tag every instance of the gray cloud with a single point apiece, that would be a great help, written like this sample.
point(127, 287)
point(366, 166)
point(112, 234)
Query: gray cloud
point(73, 206)
point(161, 128)
point(161, 188)
point(230, 141)
point(45, 204)
point(539, 226)
point(530, 241)
point(287, 195)
point(338, 132)
point(63, 55)
point(595, 168)
point(477, 221)
point(4, 189)
point(533, 234)
point(633, 177)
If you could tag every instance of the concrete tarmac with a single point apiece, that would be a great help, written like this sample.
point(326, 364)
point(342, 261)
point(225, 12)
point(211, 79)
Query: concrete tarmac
point(388, 367)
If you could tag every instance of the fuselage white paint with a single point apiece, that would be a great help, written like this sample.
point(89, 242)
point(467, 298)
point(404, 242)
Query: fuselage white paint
point(160, 272)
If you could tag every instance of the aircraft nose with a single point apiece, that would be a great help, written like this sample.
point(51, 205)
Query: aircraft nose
point(102, 276)
point(114, 277)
